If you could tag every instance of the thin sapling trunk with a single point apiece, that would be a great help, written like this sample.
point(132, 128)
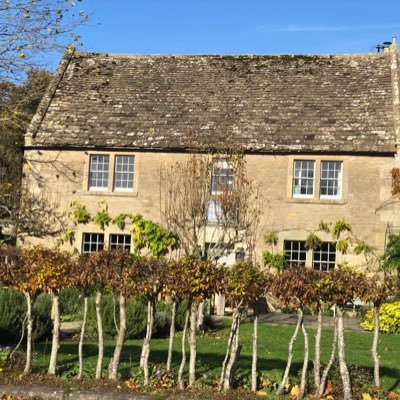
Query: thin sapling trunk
point(254, 358)
point(192, 345)
point(56, 335)
point(344, 371)
point(181, 382)
point(374, 349)
point(171, 336)
point(99, 367)
point(317, 360)
point(305, 362)
point(82, 336)
point(324, 377)
point(233, 358)
point(114, 362)
point(29, 330)
point(290, 352)
point(144, 359)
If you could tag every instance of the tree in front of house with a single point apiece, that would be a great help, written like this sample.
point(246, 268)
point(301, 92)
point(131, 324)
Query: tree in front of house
point(297, 288)
point(244, 285)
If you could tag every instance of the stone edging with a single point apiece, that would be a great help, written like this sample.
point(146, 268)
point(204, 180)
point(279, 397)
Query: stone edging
point(47, 393)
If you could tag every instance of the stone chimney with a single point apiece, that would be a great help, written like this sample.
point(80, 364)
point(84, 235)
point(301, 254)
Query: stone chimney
point(394, 67)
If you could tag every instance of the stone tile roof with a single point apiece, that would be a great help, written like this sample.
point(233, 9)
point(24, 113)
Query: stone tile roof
point(340, 103)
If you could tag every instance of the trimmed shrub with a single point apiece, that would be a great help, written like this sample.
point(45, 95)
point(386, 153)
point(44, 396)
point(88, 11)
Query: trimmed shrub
point(12, 314)
point(71, 304)
point(389, 318)
point(136, 317)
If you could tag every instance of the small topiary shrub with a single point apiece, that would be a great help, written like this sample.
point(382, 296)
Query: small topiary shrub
point(12, 314)
point(389, 318)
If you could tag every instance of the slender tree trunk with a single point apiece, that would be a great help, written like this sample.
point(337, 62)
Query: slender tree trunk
point(344, 371)
point(56, 335)
point(233, 358)
point(230, 343)
point(317, 360)
point(192, 344)
point(200, 316)
point(290, 352)
point(171, 336)
point(254, 359)
point(324, 377)
point(305, 362)
point(114, 362)
point(181, 382)
point(82, 337)
point(146, 342)
point(99, 367)
point(374, 349)
point(29, 329)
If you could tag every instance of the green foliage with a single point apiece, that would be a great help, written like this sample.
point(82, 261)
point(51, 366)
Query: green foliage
point(12, 315)
point(136, 316)
point(312, 242)
point(102, 217)
point(390, 260)
point(339, 227)
point(78, 213)
point(120, 221)
point(150, 235)
point(362, 247)
point(271, 238)
point(274, 260)
point(389, 318)
point(342, 246)
point(324, 226)
point(71, 303)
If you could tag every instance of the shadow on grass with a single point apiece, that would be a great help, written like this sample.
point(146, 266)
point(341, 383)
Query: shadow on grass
point(208, 363)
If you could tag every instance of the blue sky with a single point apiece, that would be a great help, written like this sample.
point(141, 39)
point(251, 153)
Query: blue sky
point(239, 27)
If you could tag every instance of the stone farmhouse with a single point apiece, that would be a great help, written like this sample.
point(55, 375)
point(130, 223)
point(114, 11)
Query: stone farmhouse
point(320, 135)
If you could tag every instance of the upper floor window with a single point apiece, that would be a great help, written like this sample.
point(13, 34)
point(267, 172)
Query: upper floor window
point(121, 168)
point(331, 179)
point(98, 171)
point(324, 257)
point(92, 242)
point(303, 178)
point(120, 241)
point(123, 173)
point(295, 252)
point(222, 176)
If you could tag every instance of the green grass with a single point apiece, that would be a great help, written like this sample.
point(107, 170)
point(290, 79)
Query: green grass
point(272, 351)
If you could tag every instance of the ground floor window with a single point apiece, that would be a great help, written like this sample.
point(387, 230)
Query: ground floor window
point(92, 242)
point(120, 241)
point(324, 257)
point(295, 252)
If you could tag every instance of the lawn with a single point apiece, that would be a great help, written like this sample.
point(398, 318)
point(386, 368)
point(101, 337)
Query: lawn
point(273, 341)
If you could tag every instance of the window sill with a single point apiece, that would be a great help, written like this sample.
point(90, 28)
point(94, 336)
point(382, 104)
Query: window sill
point(308, 200)
point(110, 194)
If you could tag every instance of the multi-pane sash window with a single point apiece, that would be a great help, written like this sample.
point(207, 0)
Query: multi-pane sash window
point(324, 257)
point(123, 173)
point(98, 172)
point(92, 242)
point(120, 242)
point(295, 252)
point(303, 178)
point(331, 179)
point(222, 177)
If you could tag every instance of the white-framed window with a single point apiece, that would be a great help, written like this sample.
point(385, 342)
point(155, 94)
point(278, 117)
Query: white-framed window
point(92, 242)
point(124, 173)
point(99, 171)
point(222, 176)
point(303, 178)
point(324, 257)
point(120, 241)
point(295, 252)
point(331, 179)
